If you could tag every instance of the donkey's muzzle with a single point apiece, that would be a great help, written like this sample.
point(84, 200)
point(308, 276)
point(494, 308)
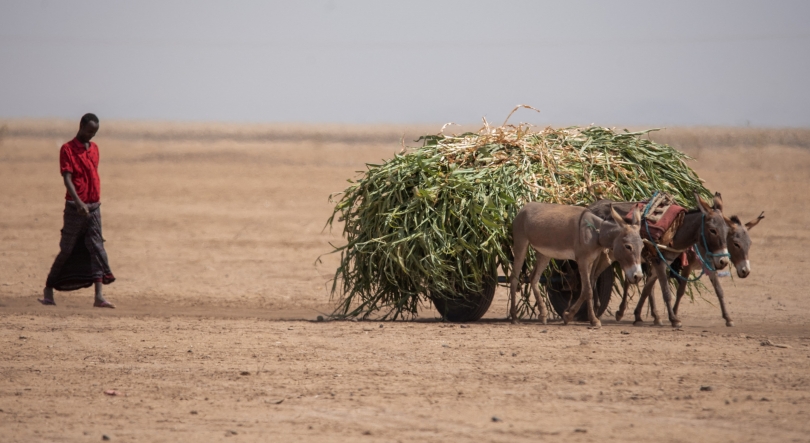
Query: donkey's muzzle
point(634, 274)
point(744, 270)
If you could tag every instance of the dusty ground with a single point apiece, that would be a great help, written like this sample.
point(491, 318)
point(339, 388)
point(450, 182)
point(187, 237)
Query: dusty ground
point(214, 243)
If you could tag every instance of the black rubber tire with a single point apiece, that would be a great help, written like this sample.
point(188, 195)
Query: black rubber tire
point(466, 307)
point(561, 294)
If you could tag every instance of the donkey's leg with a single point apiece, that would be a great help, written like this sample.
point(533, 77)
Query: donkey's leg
point(661, 272)
point(685, 272)
point(649, 286)
point(585, 295)
point(595, 322)
point(623, 305)
point(719, 291)
point(602, 263)
point(534, 280)
point(653, 307)
point(519, 250)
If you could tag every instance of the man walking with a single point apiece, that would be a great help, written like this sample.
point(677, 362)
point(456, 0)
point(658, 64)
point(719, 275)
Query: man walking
point(82, 260)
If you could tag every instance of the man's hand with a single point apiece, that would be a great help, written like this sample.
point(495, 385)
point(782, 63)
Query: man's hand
point(83, 209)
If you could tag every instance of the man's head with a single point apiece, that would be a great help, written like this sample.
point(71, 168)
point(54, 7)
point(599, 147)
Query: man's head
point(88, 126)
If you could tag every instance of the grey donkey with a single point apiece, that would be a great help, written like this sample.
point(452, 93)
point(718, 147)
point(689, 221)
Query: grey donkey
point(706, 226)
point(739, 243)
point(573, 233)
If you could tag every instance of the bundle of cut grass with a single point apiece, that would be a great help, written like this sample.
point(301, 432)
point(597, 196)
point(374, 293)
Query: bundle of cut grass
point(435, 221)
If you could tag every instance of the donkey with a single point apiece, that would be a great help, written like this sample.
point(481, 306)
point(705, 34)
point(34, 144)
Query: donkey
point(706, 225)
point(739, 244)
point(572, 233)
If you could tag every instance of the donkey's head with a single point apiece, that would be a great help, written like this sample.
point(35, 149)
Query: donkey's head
point(739, 243)
point(714, 234)
point(627, 245)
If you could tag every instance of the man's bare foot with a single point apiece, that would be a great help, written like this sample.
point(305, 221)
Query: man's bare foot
point(100, 301)
point(47, 297)
point(103, 304)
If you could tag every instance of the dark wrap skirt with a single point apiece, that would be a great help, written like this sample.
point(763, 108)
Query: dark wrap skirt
point(82, 259)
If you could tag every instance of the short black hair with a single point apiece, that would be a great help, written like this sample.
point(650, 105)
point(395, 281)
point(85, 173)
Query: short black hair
point(89, 117)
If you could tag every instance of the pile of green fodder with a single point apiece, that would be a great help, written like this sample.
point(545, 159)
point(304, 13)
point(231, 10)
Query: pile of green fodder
point(437, 219)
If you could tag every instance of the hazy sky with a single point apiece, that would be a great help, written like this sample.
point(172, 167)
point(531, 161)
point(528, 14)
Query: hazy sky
point(580, 62)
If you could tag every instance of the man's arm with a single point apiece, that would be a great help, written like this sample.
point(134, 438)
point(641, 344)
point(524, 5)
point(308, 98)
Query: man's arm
point(72, 191)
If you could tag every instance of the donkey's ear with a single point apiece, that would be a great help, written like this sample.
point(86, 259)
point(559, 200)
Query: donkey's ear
point(755, 221)
point(729, 222)
point(702, 204)
point(717, 203)
point(616, 217)
point(636, 217)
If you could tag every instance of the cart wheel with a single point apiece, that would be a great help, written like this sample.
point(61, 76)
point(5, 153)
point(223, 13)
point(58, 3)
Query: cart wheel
point(466, 307)
point(563, 289)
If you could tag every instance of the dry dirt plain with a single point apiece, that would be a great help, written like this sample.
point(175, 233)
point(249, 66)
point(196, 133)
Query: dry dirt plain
point(213, 233)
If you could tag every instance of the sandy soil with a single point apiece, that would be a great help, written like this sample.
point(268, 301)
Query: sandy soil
point(214, 243)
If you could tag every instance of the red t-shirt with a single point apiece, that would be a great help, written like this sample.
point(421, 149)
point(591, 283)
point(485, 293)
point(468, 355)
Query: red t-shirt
point(83, 164)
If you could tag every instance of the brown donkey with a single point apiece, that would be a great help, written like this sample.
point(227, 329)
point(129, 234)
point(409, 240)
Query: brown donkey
point(572, 233)
point(739, 243)
point(706, 226)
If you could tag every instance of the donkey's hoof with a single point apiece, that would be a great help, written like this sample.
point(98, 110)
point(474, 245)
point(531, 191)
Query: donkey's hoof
point(677, 324)
point(638, 323)
point(619, 316)
point(657, 322)
point(595, 325)
point(567, 317)
point(729, 323)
